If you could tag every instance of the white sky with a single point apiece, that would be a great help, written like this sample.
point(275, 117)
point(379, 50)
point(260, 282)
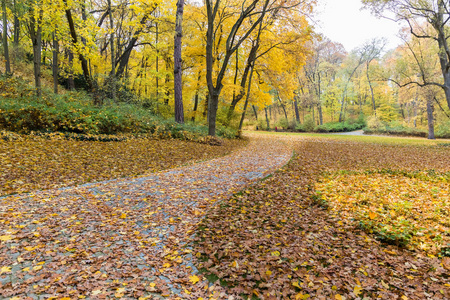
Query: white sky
point(343, 21)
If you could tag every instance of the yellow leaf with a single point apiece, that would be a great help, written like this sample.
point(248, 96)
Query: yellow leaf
point(37, 268)
point(123, 216)
point(276, 253)
point(338, 297)
point(268, 272)
point(234, 264)
point(384, 284)
point(357, 290)
point(119, 292)
point(96, 292)
point(404, 297)
point(295, 283)
point(194, 279)
point(5, 270)
point(5, 238)
point(301, 296)
point(152, 284)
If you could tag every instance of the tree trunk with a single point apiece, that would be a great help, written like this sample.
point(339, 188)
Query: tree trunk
point(177, 71)
point(197, 91)
point(341, 114)
point(415, 113)
point(250, 60)
point(83, 61)
point(16, 26)
point(35, 34)
point(113, 58)
point(267, 118)
point(442, 39)
point(247, 97)
point(55, 63)
point(5, 39)
point(255, 112)
point(319, 110)
point(297, 115)
point(157, 60)
point(122, 61)
point(206, 105)
point(166, 81)
point(213, 104)
point(371, 91)
point(430, 111)
point(282, 106)
point(70, 79)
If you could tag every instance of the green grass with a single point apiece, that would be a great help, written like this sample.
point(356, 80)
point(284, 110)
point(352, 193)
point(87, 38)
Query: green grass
point(388, 140)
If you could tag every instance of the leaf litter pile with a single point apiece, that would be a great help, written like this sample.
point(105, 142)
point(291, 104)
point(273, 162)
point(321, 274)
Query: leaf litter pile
point(124, 238)
point(280, 240)
point(39, 163)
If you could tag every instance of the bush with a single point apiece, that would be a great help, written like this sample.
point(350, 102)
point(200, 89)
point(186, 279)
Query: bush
point(262, 124)
point(373, 123)
point(443, 130)
point(308, 124)
point(393, 128)
point(282, 124)
point(73, 112)
point(349, 125)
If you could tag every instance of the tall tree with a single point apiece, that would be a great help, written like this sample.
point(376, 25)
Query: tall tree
point(372, 51)
point(5, 39)
point(178, 87)
point(234, 39)
point(418, 15)
point(35, 30)
point(113, 57)
point(84, 63)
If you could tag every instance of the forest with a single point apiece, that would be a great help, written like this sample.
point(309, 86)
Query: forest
point(118, 66)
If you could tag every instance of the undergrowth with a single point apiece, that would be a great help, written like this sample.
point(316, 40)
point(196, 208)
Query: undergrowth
point(74, 113)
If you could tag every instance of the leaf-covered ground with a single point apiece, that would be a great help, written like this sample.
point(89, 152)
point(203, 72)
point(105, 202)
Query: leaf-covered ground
point(274, 241)
point(158, 236)
point(39, 163)
point(122, 238)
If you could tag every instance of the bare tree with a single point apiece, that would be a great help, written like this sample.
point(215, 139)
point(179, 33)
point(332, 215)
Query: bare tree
point(419, 15)
point(372, 50)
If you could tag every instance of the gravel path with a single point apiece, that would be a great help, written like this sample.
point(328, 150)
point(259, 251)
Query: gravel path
point(123, 238)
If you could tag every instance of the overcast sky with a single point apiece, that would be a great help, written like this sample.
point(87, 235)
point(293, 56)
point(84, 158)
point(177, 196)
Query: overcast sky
point(343, 21)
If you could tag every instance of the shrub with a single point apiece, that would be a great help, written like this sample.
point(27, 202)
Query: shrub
point(262, 124)
point(308, 124)
point(282, 124)
point(443, 130)
point(393, 128)
point(350, 125)
point(373, 123)
point(73, 112)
